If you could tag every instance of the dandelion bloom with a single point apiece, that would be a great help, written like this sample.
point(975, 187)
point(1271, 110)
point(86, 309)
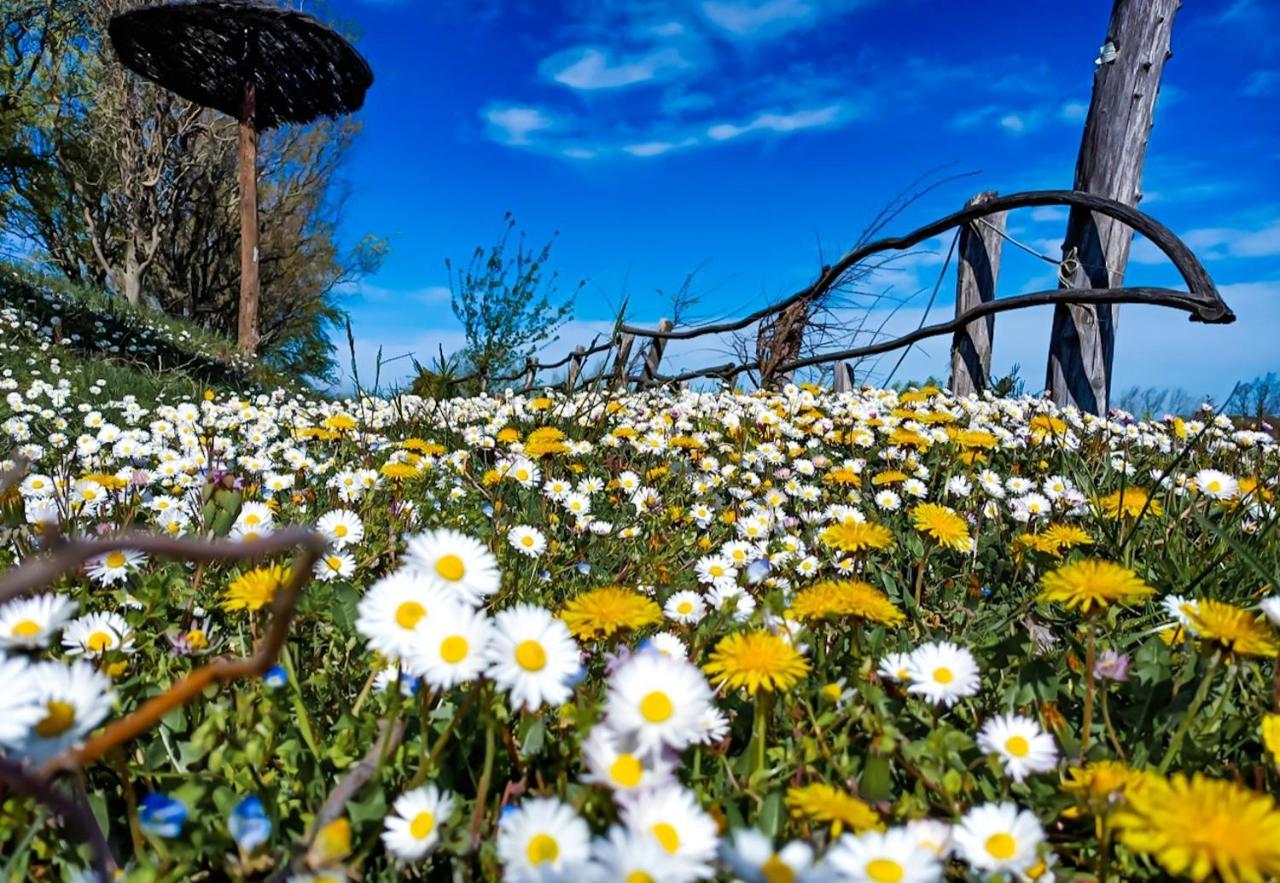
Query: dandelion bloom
point(255, 589)
point(1103, 782)
point(943, 524)
point(1090, 583)
point(1066, 536)
point(837, 598)
point(757, 661)
point(1271, 736)
point(601, 612)
point(824, 803)
point(857, 536)
point(1234, 629)
point(1197, 827)
point(1131, 501)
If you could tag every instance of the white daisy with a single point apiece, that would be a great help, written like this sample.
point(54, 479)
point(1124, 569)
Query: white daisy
point(754, 860)
point(1179, 609)
point(615, 761)
point(527, 540)
point(657, 699)
point(413, 828)
point(334, 565)
point(685, 607)
point(341, 527)
point(542, 840)
point(20, 702)
point(933, 835)
point(391, 612)
point(451, 646)
point(75, 699)
point(1023, 748)
point(113, 567)
point(625, 856)
point(460, 564)
point(895, 667)
point(879, 856)
point(254, 515)
point(943, 673)
point(97, 633)
point(533, 657)
point(995, 838)
point(671, 814)
point(29, 623)
point(1271, 607)
point(1217, 485)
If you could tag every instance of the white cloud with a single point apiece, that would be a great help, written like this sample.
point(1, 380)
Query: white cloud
point(590, 68)
point(513, 124)
point(746, 19)
point(1049, 214)
point(780, 122)
point(1262, 83)
point(1236, 243)
point(653, 148)
point(1073, 111)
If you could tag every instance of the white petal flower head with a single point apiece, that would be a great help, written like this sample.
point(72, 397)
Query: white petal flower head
point(1020, 744)
point(632, 856)
point(878, 856)
point(1217, 485)
point(533, 657)
point(395, 608)
point(995, 838)
point(456, 562)
point(451, 646)
point(1271, 607)
point(20, 701)
point(413, 828)
point(97, 633)
point(943, 673)
point(672, 816)
point(895, 667)
point(75, 699)
point(30, 623)
point(615, 761)
point(543, 841)
point(753, 858)
point(341, 527)
point(114, 566)
point(658, 699)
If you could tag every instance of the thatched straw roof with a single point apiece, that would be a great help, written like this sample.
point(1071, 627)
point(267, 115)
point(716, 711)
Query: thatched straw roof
point(205, 51)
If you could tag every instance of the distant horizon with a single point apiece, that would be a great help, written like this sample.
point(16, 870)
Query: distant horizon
point(754, 140)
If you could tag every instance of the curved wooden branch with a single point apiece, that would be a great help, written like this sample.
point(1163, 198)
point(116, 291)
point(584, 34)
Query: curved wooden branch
point(1201, 299)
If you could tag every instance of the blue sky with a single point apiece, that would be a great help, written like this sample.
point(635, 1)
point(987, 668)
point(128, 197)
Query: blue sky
point(749, 138)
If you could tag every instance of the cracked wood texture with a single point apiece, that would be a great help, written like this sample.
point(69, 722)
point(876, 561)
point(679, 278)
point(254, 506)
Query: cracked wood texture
point(1112, 151)
point(976, 274)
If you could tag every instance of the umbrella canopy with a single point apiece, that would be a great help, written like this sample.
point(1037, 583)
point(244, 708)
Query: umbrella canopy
point(208, 51)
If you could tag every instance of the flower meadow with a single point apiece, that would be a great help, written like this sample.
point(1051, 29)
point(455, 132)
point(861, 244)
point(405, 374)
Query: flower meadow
point(644, 637)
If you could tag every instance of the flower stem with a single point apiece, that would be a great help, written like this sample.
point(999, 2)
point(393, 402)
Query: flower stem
point(1090, 660)
point(1196, 701)
point(486, 775)
point(760, 730)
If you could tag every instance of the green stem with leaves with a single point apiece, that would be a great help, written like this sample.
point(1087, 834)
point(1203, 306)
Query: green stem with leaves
point(1196, 701)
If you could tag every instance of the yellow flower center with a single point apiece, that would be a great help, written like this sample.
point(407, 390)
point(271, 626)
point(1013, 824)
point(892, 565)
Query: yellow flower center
point(1017, 746)
point(453, 649)
point(422, 825)
point(639, 877)
point(656, 707)
point(526, 541)
point(775, 870)
point(626, 771)
point(542, 849)
point(340, 530)
point(59, 719)
point(1001, 846)
point(450, 568)
point(89, 494)
point(408, 614)
point(26, 628)
point(197, 639)
point(885, 870)
point(684, 607)
point(943, 675)
point(667, 836)
point(98, 642)
point(115, 559)
point(530, 656)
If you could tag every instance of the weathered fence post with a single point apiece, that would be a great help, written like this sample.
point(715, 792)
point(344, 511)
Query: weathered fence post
point(531, 373)
point(1112, 150)
point(624, 354)
point(976, 274)
point(575, 367)
point(844, 377)
point(653, 352)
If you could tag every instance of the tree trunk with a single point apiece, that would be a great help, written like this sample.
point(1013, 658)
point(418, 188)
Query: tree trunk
point(980, 246)
point(1109, 164)
point(248, 331)
point(131, 274)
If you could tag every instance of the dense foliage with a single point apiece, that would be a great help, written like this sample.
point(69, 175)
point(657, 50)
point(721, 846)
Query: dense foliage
point(658, 636)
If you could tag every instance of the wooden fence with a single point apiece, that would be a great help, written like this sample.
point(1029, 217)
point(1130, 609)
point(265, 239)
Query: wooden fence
point(980, 231)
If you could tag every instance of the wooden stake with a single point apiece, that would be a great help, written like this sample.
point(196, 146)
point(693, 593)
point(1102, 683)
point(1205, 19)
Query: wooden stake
point(976, 274)
point(249, 289)
point(1109, 164)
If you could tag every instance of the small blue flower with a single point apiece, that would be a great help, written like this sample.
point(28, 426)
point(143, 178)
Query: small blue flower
point(162, 815)
point(584, 568)
point(757, 570)
point(276, 676)
point(249, 824)
point(487, 509)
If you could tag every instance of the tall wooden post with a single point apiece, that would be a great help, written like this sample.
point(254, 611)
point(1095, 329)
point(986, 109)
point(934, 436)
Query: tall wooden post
point(575, 367)
point(1112, 151)
point(976, 274)
point(248, 330)
point(653, 352)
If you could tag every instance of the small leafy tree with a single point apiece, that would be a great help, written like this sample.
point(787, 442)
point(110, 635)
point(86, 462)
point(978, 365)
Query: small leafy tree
point(504, 299)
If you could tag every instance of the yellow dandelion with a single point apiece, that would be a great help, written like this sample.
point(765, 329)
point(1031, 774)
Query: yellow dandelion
point(943, 524)
point(1044, 427)
point(399, 470)
point(857, 536)
point(255, 589)
point(851, 598)
point(844, 476)
point(1271, 736)
point(757, 661)
point(1197, 827)
point(889, 476)
point(823, 803)
point(1130, 502)
point(1066, 536)
point(339, 423)
point(545, 441)
point(1102, 783)
point(601, 612)
point(1090, 583)
point(975, 438)
point(1232, 628)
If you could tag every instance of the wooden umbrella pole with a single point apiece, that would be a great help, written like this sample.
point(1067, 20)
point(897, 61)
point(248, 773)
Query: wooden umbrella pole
point(248, 331)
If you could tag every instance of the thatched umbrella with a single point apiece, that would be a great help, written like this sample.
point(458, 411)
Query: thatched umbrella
point(265, 66)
